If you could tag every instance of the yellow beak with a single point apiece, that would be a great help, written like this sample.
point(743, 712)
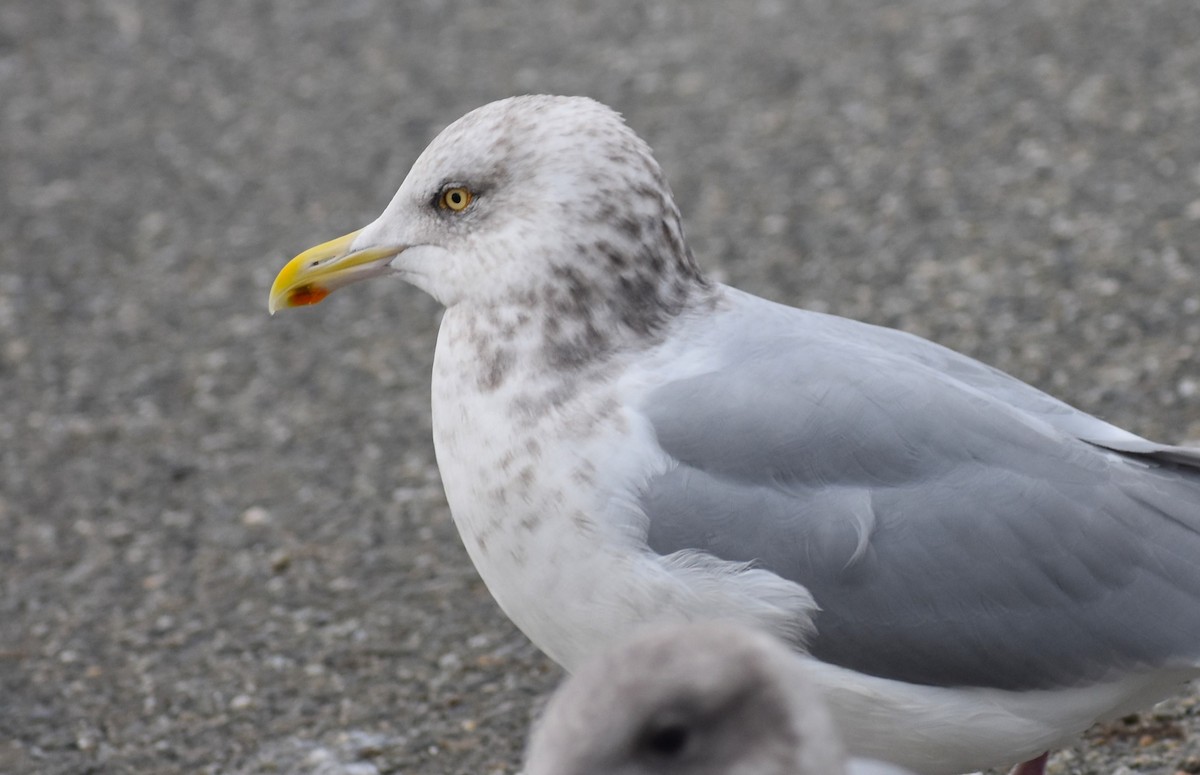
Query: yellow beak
point(314, 274)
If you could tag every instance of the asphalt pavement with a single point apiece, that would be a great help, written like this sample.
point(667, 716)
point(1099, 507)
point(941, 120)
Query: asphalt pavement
point(224, 546)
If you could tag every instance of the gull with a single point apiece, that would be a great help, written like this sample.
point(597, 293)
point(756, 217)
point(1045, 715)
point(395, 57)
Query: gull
point(979, 570)
point(705, 698)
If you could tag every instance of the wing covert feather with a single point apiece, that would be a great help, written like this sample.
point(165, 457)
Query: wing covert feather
point(919, 509)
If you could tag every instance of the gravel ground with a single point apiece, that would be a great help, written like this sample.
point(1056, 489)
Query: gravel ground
point(223, 542)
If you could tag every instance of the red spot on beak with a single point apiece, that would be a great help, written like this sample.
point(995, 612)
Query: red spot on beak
point(305, 295)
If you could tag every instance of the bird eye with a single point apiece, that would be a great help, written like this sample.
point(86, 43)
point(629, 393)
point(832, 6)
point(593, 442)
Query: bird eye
point(456, 199)
point(666, 741)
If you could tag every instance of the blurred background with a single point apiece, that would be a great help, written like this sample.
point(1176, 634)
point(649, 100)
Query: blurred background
point(223, 541)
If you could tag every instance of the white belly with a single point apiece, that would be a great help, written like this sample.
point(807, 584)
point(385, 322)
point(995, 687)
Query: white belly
point(946, 731)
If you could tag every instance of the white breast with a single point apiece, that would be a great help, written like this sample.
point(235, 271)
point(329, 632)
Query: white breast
point(546, 507)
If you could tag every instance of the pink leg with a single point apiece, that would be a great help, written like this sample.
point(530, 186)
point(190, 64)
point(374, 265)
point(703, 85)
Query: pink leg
point(1032, 767)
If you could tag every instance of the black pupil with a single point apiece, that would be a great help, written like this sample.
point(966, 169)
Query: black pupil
point(667, 741)
point(455, 197)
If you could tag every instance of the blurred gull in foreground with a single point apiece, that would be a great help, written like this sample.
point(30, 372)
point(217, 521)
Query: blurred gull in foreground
point(980, 570)
point(696, 699)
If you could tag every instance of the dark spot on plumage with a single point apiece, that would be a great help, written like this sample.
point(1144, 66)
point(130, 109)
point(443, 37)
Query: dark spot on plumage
point(481, 339)
point(651, 168)
point(528, 298)
point(498, 495)
point(578, 288)
point(502, 146)
point(572, 297)
point(533, 448)
point(494, 366)
point(532, 407)
point(504, 322)
point(693, 270)
point(631, 228)
point(531, 522)
point(671, 237)
point(526, 477)
point(612, 255)
point(607, 211)
point(648, 192)
point(574, 351)
point(585, 474)
point(639, 306)
point(561, 393)
point(654, 260)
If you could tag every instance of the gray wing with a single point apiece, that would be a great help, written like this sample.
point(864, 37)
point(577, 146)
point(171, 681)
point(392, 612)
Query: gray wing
point(950, 535)
point(970, 373)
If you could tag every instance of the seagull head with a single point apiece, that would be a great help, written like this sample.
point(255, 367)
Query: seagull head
point(705, 698)
point(514, 195)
